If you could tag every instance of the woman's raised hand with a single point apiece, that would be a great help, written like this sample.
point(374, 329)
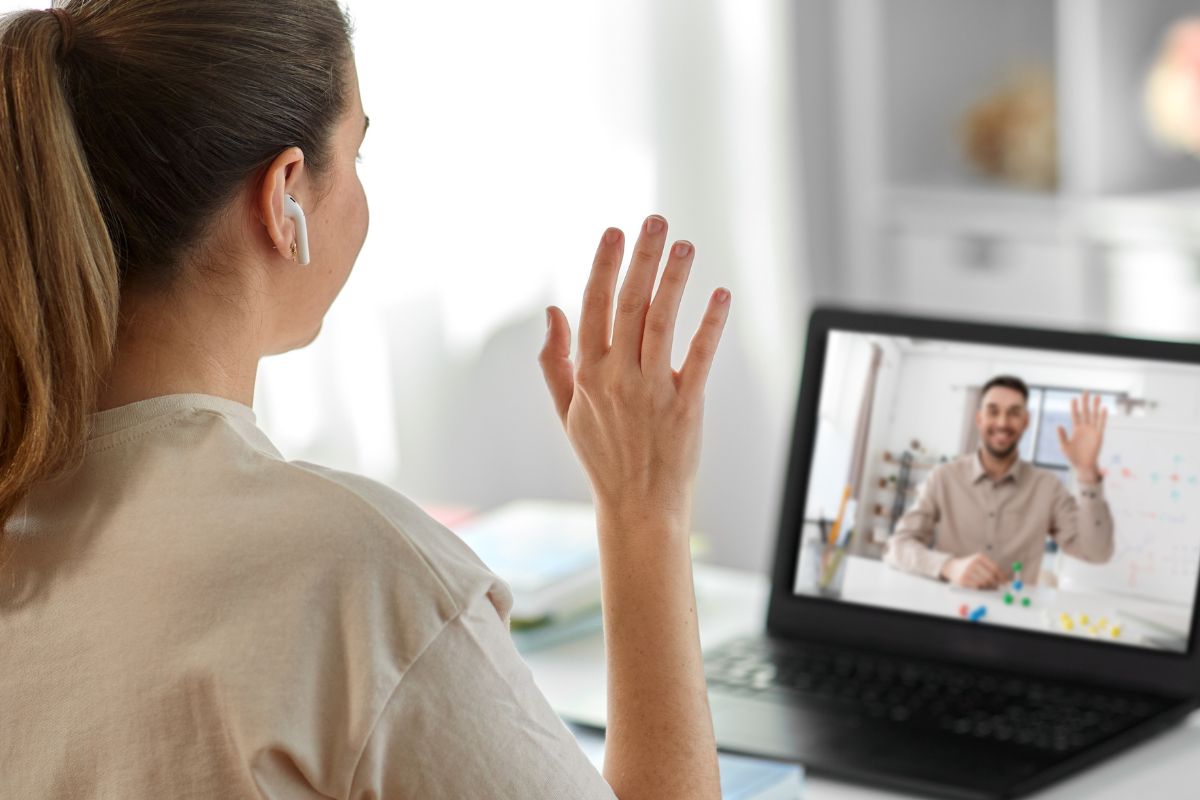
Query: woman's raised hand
point(633, 421)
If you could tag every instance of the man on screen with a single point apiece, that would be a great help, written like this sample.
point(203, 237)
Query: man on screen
point(977, 515)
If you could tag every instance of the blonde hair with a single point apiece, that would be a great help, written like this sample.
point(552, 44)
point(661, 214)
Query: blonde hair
point(117, 147)
point(58, 302)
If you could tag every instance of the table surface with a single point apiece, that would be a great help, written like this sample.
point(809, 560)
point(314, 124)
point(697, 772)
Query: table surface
point(733, 603)
point(1141, 622)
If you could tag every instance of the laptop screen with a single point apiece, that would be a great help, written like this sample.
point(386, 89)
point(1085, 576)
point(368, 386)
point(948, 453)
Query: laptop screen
point(996, 485)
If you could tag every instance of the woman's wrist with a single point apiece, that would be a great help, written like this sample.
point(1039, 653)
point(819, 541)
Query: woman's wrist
point(643, 521)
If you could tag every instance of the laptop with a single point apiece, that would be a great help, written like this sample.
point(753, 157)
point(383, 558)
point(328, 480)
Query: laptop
point(871, 669)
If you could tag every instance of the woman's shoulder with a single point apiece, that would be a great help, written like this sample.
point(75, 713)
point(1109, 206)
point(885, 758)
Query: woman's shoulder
point(378, 523)
point(231, 498)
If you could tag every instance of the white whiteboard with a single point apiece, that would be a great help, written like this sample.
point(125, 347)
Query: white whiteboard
point(1152, 482)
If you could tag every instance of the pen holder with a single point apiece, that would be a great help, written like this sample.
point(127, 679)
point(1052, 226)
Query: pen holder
point(824, 567)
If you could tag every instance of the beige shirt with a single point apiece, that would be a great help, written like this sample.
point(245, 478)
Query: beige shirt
point(960, 511)
point(189, 615)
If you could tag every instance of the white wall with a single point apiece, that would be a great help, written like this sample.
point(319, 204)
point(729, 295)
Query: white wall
point(504, 139)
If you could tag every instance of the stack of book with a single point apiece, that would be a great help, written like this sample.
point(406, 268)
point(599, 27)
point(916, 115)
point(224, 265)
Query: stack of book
point(547, 553)
point(742, 777)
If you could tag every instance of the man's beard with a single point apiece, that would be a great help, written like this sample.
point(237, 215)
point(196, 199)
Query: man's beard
point(1001, 455)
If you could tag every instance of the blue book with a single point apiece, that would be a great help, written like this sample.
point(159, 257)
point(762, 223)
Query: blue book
point(742, 777)
point(546, 551)
point(531, 638)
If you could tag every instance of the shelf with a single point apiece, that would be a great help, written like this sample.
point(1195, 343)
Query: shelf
point(925, 230)
point(1128, 36)
point(942, 57)
point(1160, 220)
point(983, 210)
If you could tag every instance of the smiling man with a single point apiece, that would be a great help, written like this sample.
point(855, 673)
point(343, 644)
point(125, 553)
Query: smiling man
point(978, 515)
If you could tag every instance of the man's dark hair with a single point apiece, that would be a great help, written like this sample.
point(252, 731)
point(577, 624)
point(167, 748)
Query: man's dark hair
point(1008, 382)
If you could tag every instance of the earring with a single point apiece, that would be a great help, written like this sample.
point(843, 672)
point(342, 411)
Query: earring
point(293, 251)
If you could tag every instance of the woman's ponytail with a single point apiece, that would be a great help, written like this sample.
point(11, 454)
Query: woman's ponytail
point(58, 269)
point(126, 126)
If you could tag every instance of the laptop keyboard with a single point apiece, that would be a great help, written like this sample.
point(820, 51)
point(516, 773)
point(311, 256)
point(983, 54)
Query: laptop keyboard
point(1000, 707)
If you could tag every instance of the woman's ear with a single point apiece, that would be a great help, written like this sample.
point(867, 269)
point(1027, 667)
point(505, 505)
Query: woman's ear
point(283, 176)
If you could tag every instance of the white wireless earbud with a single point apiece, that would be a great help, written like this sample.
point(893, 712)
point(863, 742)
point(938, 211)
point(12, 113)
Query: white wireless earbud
point(292, 209)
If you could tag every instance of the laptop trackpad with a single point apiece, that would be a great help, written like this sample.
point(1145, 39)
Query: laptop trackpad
point(779, 731)
point(844, 744)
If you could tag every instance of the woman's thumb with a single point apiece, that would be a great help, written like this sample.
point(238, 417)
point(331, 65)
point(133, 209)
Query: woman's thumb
point(555, 360)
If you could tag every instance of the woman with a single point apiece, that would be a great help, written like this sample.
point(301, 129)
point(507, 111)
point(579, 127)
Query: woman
point(183, 612)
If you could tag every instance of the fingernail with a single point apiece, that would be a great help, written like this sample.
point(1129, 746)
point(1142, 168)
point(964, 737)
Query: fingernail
point(682, 249)
point(722, 296)
point(612, 235)
point(548, 318)
point(654, 224)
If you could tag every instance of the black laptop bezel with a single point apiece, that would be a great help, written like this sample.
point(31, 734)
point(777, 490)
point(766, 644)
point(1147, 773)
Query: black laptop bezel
point(809, 618)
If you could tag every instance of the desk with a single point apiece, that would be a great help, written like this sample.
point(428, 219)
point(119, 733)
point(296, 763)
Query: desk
point(1143, 622)
point(733, 603)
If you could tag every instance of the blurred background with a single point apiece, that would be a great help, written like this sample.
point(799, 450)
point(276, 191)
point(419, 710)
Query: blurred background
point(1010, 160)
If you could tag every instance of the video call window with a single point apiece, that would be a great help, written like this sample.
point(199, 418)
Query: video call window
point(919, 501)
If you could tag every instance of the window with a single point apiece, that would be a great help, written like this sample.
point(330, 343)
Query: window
point(1050, 407)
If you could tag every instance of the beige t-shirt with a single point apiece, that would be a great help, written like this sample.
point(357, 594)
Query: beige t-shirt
point(189, 615)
